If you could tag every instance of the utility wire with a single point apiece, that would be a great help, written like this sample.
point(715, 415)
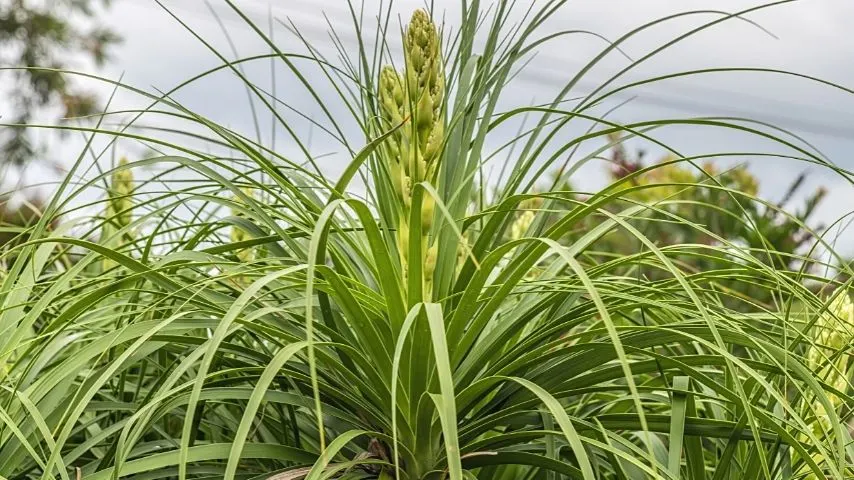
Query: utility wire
point(535, 75)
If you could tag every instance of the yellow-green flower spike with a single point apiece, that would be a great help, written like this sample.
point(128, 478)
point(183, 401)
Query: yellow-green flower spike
point(245, 255)
point(462, 251)
point(425, 90)
point(428, 205)
point(119, 211)
point(394, 109)
point(392, 97)
point(434, 145)
point(415, 103)
point(521, 224)
point(425, 82)
point(121, 188)
point(430, 260)
point(833, 331)
point(429, 268)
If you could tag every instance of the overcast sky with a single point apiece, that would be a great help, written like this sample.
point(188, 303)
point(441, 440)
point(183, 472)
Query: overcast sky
point(807, 36)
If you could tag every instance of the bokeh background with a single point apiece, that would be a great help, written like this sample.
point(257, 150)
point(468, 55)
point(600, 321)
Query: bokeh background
point(811, 37)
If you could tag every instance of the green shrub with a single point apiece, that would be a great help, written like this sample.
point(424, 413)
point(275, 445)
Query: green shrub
point(424, 329)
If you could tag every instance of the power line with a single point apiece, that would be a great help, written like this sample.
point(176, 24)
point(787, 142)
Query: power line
point(703, 92)
point(539, 76)
point(696, 107)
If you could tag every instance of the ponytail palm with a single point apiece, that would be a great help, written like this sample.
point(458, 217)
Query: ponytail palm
point(264, 321)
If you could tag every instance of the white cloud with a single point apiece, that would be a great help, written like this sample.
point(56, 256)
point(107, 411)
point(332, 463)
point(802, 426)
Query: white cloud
point(813, 38)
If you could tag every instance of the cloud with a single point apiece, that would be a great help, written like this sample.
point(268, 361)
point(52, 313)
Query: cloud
point(812, 38)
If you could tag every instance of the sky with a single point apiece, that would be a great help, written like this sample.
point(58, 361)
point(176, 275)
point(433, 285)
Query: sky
point(811, 37)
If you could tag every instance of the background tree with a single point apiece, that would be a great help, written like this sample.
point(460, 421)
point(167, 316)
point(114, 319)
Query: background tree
point(707, 206)
point(50, 35)
point(761, 226)
point(725, 204)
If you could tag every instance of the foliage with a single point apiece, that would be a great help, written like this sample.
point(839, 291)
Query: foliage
point(749, 223)
point(243, 316)
point(705, 195)
point(16, 217)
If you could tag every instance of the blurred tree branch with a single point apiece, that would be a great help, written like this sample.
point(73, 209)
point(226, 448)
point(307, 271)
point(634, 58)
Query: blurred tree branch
point(45, 37)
